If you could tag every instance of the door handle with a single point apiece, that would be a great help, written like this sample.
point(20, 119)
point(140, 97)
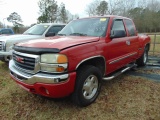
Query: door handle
point(128, 42)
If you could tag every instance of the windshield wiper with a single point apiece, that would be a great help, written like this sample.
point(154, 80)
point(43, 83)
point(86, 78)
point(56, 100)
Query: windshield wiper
point(61, 34)
point(78, 34)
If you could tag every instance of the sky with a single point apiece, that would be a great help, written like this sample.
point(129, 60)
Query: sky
point(29, 10)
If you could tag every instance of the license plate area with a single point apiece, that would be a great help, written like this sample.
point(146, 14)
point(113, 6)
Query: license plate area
point(18, 76)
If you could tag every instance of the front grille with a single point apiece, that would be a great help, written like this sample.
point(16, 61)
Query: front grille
point(1, 45)
point(24, 62)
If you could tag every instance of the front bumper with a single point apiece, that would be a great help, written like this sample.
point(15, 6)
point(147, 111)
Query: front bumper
point(49, 85)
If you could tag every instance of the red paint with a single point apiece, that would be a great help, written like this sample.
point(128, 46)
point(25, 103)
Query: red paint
point(59, 41)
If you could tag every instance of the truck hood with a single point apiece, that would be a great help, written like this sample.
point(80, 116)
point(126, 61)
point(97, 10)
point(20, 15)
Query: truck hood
point(18, 38)
point(59, 42)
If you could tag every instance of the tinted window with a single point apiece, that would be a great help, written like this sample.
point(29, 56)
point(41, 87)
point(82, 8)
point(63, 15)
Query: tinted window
point(130, 27)
point(118, 25)
point(55, 29)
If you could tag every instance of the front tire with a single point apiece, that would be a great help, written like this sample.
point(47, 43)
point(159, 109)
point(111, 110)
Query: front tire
point(88, 85)
point(143, 59)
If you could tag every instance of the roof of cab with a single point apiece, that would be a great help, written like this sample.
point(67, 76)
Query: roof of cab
point(109, 16)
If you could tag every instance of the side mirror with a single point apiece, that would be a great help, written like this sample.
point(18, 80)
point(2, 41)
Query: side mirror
point(117, 34)
point(50, 34)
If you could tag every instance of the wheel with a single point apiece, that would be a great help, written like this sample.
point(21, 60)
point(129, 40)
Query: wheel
point(143, 59)
point(88, 85)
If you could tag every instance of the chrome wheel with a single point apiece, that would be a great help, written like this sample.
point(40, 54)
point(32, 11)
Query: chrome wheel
point(90, 87)
point(145, 57)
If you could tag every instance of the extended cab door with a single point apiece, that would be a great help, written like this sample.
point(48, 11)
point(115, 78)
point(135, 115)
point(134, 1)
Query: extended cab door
point(132, 38)
point(119, 48)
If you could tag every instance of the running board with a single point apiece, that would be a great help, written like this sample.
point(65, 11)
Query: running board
point(119, 72)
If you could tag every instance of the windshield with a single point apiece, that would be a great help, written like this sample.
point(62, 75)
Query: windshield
point(36, 30)
point(86, 27)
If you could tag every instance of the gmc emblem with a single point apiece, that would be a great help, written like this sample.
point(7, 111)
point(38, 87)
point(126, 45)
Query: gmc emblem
point(19, 59)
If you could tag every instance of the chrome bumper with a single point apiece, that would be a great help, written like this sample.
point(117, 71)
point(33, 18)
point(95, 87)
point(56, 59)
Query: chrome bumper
point(5, 55)
point(34, 78)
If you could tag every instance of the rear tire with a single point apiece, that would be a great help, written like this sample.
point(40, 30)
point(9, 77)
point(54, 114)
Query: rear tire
point(143, 59)
point(88, 85)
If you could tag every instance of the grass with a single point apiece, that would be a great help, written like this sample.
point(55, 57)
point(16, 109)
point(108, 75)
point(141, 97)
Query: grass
point(124, 98)
point(149, 71)
point(157, 40)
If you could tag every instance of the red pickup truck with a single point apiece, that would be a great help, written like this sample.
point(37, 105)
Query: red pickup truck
point(75, 62)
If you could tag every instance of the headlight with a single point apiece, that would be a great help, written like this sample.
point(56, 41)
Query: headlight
point(55, 63)
point(54, 58)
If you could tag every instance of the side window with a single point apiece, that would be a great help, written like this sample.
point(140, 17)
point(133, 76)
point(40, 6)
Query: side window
point(118, 25)
point(118, 29)
point(130, 27)
point(55, 29)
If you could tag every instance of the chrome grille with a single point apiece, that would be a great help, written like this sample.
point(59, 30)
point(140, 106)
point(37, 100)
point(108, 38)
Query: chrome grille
point(1, 45)
point(26, 62)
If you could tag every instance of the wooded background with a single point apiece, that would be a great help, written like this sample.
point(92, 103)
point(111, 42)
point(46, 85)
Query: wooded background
point(145, 13)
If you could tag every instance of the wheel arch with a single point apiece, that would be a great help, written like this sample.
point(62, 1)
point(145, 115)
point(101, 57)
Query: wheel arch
point(97, 61)
point(148, 46)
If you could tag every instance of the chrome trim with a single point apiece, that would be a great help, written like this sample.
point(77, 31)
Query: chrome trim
point(92, 58)
point(37, 60)
point(39, 77)
point(119, 59)
point(3, 46)
point(25, 54)
point(118, 73)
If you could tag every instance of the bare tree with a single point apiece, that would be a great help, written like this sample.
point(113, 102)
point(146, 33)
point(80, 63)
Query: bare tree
point(113, 7)
point(91, 9)
point(120, 7)
point(48, 11)
point(102, 8)
point(62, 14)
point(154, 5)
point(142, 3)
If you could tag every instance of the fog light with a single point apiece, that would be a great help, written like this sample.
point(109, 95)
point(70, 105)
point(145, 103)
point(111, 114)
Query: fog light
point(56, 80)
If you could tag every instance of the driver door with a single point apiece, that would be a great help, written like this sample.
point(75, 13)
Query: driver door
point(118, 48)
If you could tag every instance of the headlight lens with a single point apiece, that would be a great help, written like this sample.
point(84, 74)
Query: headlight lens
point(54, 63)
point(54, 58)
